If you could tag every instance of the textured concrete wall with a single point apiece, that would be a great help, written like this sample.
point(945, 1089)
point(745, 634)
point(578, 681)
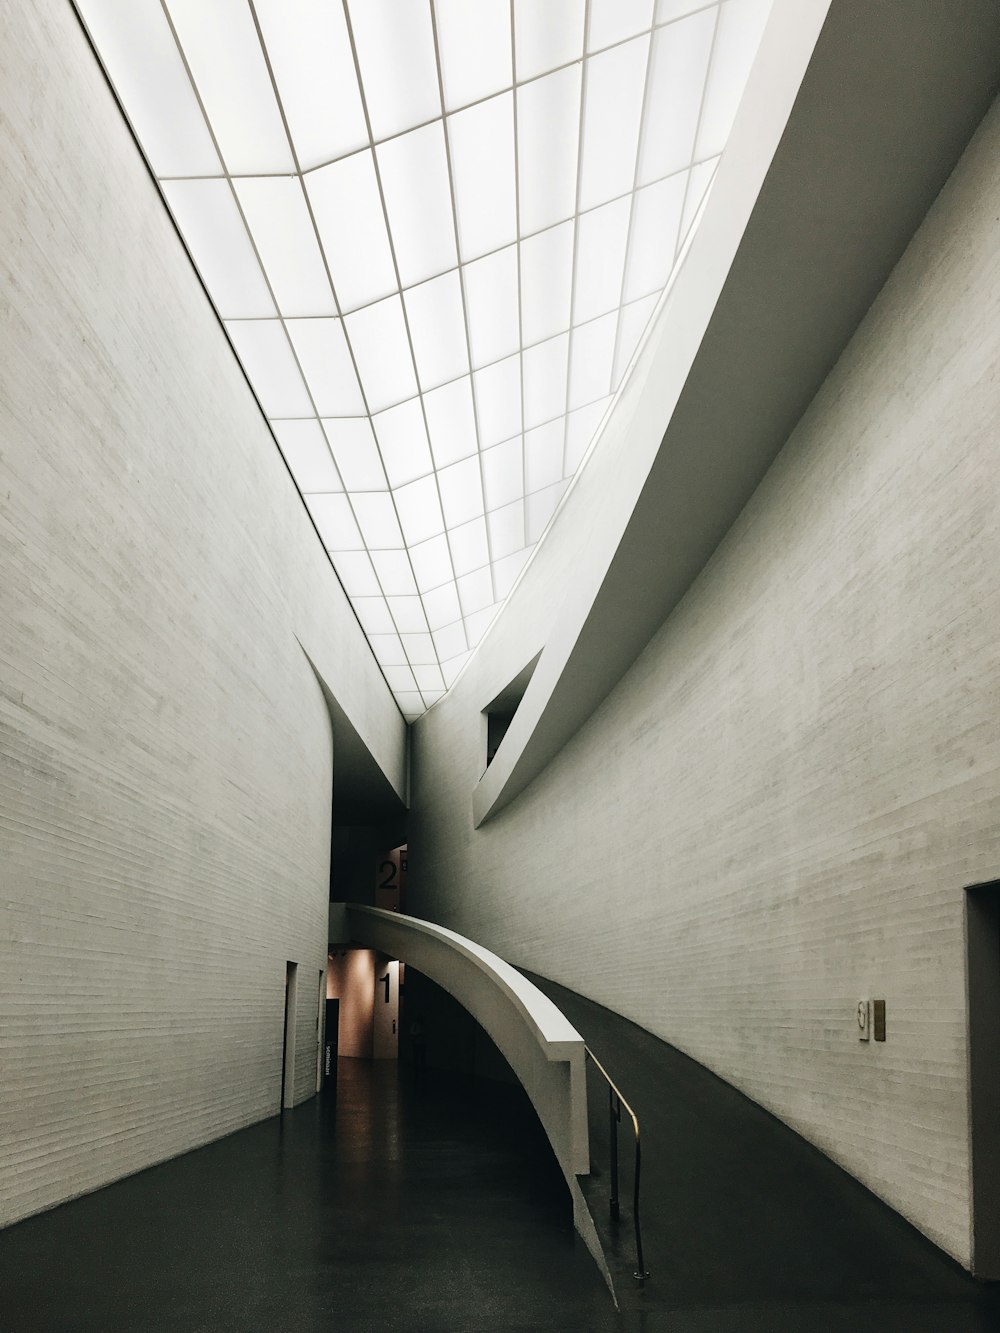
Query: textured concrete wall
point(165, 749)
point(776, 810)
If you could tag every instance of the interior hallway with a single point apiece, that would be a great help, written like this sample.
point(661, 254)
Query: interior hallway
point(432, 1204)
point(429, 1207)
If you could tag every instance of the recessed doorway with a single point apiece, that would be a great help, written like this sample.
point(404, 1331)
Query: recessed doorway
point(982, 936)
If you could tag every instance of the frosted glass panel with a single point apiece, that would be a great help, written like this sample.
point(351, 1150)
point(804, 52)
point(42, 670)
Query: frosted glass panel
point(482, 158)
point(547, 34)
point(210, 223)
point(474, 40)
point(614, 20)
point(591, 360)
point(615, 81)
point(600, 259)
point(414, 172)
point(142, 60)
point(543, 458)
point(263, 348)
point(548, 131)
point(308, 455)
point(278, 218)
point(228, 67)
point(382, 351)
point(310, 55)
point(545, 381)
point(398, 67)
point(353, 446)
point(673, 102)
point(437, 327)
point(498, 397)
point(403, 442)
point(326, 363)
point(491, 300)
point(451, 422)
point(348, 211)
point(546, 283)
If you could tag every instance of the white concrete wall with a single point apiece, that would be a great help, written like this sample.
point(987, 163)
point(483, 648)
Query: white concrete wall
point(165, 749)
point(775, 811)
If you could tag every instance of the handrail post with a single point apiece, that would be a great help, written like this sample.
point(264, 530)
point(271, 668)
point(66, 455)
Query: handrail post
point(614, 1116)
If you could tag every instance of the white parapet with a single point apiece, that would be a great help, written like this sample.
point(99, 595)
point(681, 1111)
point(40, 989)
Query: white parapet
point(542, 1047)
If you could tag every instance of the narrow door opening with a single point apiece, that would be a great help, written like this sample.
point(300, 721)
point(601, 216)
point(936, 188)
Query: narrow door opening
point(982, 936)
point(288, 1043)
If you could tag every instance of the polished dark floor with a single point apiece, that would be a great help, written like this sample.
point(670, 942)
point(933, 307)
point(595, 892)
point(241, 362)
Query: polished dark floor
point(400, 1203)
point(432, 1203)
point(745, 1226)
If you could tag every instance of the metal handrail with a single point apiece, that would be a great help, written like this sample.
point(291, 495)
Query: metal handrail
point(615, 1103)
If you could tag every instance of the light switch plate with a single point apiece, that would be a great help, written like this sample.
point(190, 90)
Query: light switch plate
point(864, 1020)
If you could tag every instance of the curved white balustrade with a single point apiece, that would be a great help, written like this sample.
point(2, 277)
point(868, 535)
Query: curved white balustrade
point(539, 1043)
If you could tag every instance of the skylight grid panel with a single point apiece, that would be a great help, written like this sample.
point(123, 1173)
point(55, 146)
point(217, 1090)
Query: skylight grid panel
point(400, 680)
point(353, 446)
point(351, 225)
point(469, 546)
point(548, 131)
point(539, 509)
point(441, 605)
point(210, 223)
point(505, 573)
point(395, 46)
point(388, 650)
point(141, 57)
point(437, 328)
point(591, 361)
point(420, 649)
point(429, 679)
point(491, 299)
point(545, 367)
point(611, 117)
point(461, 491)
point(506, 528)
point(474, 42)
point(547, 35)
point(676, 84)
point(224, 54)
point(475, 591)
point(503, 473)
point(419, 510)
point(498, 400)
point(632, 326)
point(546, 283)
point(656, 220)
point(402, 440)
point(373, 615)
point(335, 522)
point(543, 461)
point(376, 516)
point(450, 642)
point(310, 54)
point(481, 141)
point(264, 350)
point(325, 359)
point(615, 20)
point(394, 573)
point(382, 351)
point(601, 238)
point(414, 171)
point(432, 568)
point(279, 222)
point(306, 451)
point(408, 614)
point(741, 26)
point(580, 428)
point(668, 10)
point(356, 573)
point(451, 421)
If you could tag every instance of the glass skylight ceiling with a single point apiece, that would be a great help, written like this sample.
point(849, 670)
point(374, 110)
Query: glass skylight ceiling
point(436, 231)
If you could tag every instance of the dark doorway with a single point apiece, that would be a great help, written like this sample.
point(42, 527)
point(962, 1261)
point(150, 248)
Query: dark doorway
point(288, 1041)
point(982, 938)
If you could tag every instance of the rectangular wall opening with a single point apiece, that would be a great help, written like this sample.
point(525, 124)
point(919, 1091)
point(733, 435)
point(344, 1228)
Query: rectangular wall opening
point(288, 1043)
point(499, 713)
point(982, 936)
